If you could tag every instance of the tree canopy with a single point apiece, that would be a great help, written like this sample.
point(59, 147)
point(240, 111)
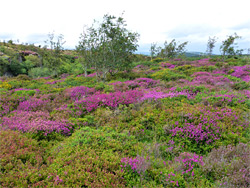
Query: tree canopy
point(107, 46)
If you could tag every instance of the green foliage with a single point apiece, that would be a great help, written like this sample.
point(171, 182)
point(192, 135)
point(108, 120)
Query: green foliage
point(19, 153)
point(159, 134)
point(39, 72)
point(23, 77)
point(233, 78)
point(171, 50)
point(157, 60)
point(24, 93)
point(78, 81)
point(154, 50)
point(167, 75)
point(124, 75)
point(4, 65)
point(228, 165)
point(54, 56)
point(108, 47)
point(16, 67)
point(228, 46)
point(241, 85)
point(210, 45)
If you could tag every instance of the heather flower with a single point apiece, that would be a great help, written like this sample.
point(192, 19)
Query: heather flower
point(167, 65)
point(242, 72)
point(132, 84)
point(27, 121)
point(205, 128)
point(92, 75)
point(111, 100)
point(32, 104)
point(77, 93)
point(138, 164)
point(187, 162)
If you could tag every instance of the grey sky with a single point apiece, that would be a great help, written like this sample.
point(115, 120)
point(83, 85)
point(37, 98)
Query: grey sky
point(155, 21)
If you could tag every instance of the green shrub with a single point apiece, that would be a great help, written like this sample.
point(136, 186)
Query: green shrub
point(157, 60)
point(23, 77)
point(241, 85)
point(233, 78)
point(124, 75)
point(167, 75)
point(39, 72)
point(17, 68)
point(24, 93)
point(21, 159)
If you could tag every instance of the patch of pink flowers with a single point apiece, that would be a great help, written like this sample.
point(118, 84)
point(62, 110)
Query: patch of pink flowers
point(78, 92)
point(138, 164)
point(188, 162)
point(242, 72)
point(167, 65)
point(206, 126)
point(28, 121)
point(132, 84)
point(111, 100)
point(32, 104)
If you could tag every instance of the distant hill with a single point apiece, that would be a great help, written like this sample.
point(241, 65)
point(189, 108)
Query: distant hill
point(188, 54)
point(193, 54)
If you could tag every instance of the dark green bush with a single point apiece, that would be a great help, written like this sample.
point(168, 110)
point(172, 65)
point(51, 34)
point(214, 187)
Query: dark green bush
point(124, 75)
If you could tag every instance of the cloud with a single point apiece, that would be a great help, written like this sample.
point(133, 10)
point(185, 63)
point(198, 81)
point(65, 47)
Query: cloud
point(36, 38)
point(241, 26)
point(6, 36)
point(183, 31)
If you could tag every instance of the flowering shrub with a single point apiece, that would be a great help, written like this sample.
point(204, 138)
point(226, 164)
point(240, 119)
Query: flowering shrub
point(5, 85)
point(225, 99)
point(138, 164)
point(164, 124)
point(134, 167)
point(132, 84)
point(203, 62)
point(159, 95)
point(92, 75)
point(33, 104)
point(207, 127)
point(19, 156)
point(187, 162)
point(167, 65)
point(229, 165)
point(78, 92)
point(111, 100)
point(27, 121)
point(208, 79)
point(242, 72)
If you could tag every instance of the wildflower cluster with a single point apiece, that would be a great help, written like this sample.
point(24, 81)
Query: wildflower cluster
point(188, 161)
point(138, 164)
point(28, 121)
point(111, 100)
point(208, 126)
point(78, 92)
point(167, 65)
point(242, 72)
point(137, 83)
